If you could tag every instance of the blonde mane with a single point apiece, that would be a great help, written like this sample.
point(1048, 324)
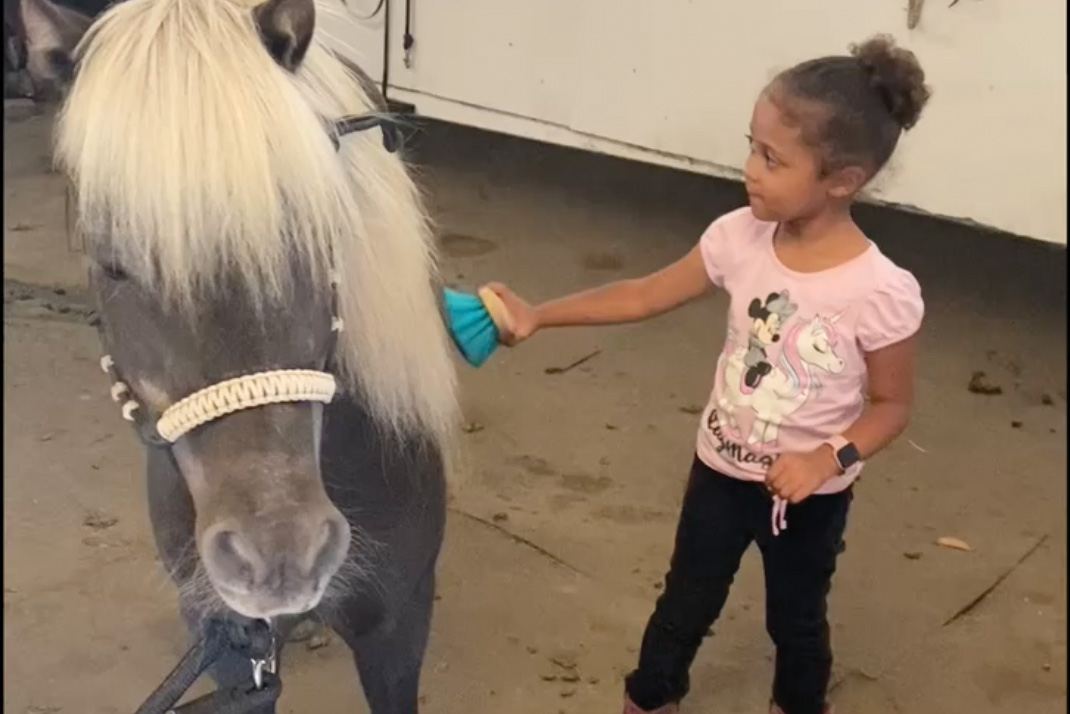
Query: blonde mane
point(193, 153)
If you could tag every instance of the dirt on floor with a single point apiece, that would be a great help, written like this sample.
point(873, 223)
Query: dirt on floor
point(562, 519)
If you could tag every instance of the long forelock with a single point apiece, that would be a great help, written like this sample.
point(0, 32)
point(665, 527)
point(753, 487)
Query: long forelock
point(194, 155)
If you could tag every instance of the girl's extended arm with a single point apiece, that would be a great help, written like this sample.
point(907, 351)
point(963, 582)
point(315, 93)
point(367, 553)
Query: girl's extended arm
point(615, 303)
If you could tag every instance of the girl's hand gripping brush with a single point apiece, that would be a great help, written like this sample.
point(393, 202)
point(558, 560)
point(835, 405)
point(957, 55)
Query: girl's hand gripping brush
point(476, 323)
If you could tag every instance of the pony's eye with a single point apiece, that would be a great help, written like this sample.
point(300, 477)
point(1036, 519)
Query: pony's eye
point(114, 271)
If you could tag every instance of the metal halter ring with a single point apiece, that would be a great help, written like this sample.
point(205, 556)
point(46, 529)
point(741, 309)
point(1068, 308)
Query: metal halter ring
point(269, 664)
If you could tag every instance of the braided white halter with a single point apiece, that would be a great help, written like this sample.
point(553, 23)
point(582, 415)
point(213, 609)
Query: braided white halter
point(218, 400)
point(249, 391)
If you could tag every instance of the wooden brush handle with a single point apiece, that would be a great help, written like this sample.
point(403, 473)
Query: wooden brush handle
point(499, 314)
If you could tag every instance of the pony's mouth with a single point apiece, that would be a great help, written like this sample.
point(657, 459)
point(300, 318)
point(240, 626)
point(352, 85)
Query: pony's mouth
point(263, 604)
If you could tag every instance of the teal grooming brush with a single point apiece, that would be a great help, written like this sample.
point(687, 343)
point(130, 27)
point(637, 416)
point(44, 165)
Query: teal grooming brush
point(475, 323)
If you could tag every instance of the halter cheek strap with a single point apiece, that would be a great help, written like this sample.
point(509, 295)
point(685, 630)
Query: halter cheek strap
point(392, 138)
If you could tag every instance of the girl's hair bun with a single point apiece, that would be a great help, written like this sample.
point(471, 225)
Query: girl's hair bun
point(896, 75)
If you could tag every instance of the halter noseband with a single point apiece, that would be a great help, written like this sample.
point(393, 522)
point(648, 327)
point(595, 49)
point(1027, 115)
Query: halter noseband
point(215, 401)
point(252, 390)
point(206, 405)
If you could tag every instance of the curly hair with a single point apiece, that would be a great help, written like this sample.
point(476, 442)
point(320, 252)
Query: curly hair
point(854, 108)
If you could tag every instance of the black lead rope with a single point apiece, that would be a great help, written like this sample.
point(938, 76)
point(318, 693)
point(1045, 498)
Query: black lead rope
point(252, 639)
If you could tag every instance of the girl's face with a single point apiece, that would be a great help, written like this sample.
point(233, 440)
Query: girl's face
point(782, 174)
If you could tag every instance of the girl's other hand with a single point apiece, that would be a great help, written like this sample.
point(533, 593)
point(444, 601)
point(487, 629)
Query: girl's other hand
point(794, 477)
point(523, 318)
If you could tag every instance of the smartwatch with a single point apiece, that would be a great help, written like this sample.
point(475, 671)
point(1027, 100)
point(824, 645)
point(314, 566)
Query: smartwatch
point(845, 453)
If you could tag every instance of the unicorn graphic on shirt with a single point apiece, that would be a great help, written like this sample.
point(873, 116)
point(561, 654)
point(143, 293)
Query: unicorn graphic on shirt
point(808, 349)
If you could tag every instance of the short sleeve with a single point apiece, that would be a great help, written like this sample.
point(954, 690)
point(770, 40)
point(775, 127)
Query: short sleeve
point(719, 250)
point(892, 313)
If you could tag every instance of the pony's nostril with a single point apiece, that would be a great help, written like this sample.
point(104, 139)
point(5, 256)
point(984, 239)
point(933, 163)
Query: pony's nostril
point(331, 546)
point(230, 556)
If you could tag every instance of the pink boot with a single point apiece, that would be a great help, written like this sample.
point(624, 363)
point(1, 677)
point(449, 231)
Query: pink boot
point(631, 707)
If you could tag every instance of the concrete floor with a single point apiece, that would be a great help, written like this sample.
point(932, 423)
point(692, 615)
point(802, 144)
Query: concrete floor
point(588, 465)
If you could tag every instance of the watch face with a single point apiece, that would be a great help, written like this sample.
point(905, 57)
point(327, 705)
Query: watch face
point(848, 456)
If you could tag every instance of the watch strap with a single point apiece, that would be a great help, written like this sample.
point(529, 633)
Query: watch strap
point(838, 444)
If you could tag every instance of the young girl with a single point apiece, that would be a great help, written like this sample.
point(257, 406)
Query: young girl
point(816, 375)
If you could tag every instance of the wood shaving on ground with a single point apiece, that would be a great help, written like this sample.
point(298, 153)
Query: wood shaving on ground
point(954, 543)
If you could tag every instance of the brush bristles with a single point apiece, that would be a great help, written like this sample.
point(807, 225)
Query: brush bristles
point(472, 327)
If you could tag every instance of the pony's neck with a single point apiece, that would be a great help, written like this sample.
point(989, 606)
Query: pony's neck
point(794, 360)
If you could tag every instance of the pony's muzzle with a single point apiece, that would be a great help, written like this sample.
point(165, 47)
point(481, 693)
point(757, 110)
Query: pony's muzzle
point(275, 565)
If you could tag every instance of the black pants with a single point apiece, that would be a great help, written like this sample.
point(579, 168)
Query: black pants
point(720, 517)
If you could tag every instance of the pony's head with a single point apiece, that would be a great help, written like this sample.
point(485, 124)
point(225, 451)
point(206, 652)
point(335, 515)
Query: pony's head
point(217, 212)
point(816, 343)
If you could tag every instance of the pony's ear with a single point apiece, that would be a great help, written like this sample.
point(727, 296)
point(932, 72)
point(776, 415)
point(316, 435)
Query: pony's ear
point(50, 33)
point(286, 28)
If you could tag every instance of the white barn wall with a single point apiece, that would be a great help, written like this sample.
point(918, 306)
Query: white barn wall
point(674, 81)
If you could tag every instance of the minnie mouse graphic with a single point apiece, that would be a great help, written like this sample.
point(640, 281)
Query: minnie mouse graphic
point(768, 321)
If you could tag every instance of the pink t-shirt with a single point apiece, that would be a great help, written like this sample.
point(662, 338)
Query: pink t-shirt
point(793, 371)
